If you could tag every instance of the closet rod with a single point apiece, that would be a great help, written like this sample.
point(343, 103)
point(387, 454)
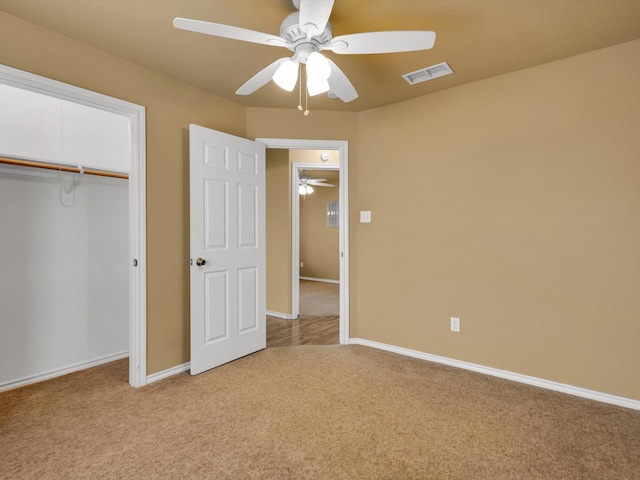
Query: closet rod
point(64, 168)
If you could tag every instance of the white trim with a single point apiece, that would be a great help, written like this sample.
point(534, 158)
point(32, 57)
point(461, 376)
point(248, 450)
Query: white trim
point(314, 279)
point(138, 251)
point(137, 199)
point(295, 238)
point(342, 146)
point(284, 316)
point(515, 377)
point(61, 371)
point(169, 372)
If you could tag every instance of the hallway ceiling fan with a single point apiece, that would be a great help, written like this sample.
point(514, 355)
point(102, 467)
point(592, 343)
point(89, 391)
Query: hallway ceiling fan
point(306, 184)
point(306, 33)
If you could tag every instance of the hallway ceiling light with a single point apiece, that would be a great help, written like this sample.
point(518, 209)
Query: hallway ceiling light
point(305, 189)
point(305, 183)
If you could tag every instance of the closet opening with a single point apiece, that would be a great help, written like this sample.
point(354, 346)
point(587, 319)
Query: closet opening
point(72, 243)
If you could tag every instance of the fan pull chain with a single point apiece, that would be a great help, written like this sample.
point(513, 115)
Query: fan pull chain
point(306, 96)
point(306, 101)
point(299, 88)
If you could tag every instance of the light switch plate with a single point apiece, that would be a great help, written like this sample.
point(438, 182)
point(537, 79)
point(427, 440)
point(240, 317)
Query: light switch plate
point(455, 324)
point(365, 216)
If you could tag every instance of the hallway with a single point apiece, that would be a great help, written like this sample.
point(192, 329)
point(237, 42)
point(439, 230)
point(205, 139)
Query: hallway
point(319, 320)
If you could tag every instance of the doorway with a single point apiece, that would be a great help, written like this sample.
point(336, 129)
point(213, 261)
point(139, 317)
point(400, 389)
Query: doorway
point(341, 147)
point(318, 246)
point(135, 115)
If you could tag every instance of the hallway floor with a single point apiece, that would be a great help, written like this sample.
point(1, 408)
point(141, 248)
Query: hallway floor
point(319, 320)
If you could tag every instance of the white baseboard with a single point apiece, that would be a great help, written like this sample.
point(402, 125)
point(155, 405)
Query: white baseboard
point(154, 377)
point(285, 316)
point(326, 280)
point(516, 377)
point(58, 372)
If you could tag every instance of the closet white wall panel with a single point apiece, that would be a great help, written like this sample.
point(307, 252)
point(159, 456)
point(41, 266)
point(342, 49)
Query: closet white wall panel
point(30, 125)
point(95, 138)
point(39, 127)
point(63, 276)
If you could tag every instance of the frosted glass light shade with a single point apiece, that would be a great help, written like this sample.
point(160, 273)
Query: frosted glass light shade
point(318, 71)
point(317, 85)
point(286, 75)
point(318, 66)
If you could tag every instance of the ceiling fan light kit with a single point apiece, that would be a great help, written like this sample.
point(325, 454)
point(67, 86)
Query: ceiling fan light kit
point(318, 71)
point(286, 76)
point(306, 33)
point(316, 86)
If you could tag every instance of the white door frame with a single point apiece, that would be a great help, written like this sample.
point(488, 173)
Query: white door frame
point(137, 200)
point(342, 147)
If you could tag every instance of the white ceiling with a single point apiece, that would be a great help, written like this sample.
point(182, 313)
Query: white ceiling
point(478, 38)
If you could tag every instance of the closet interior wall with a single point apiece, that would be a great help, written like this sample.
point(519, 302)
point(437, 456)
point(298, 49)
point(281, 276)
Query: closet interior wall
point(64, 276)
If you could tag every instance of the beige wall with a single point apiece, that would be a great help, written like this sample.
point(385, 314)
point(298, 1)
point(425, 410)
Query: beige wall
point(319, 244)
point(278, 188)
point(313, 156)
point(514, 204)
point(291, 124)
point(170, 107)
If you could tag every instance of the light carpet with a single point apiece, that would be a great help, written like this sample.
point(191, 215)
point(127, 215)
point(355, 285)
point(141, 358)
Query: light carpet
point(311, 412)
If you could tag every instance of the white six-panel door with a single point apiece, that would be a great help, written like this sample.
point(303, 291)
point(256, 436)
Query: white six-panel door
point(228, 254)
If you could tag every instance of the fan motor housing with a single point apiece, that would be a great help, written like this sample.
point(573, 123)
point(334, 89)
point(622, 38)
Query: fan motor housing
point(296, 37)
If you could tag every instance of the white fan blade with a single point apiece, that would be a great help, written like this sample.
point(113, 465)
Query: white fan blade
point(314, 15)
point(227, 31)
point(261, 78)
point(340, 84)
point(383, 42)
point(322, 185)
point(320, 180)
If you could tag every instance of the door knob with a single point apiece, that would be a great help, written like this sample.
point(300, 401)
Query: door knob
point(200, 262)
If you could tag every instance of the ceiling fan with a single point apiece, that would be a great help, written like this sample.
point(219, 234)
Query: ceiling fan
point(306, 33)
point(306, 184)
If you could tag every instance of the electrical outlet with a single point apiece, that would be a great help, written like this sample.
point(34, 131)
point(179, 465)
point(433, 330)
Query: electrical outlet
point(455, 324)
point(301, 264)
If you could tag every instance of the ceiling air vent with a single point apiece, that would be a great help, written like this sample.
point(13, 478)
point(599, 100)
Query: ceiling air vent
point(429, 73)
